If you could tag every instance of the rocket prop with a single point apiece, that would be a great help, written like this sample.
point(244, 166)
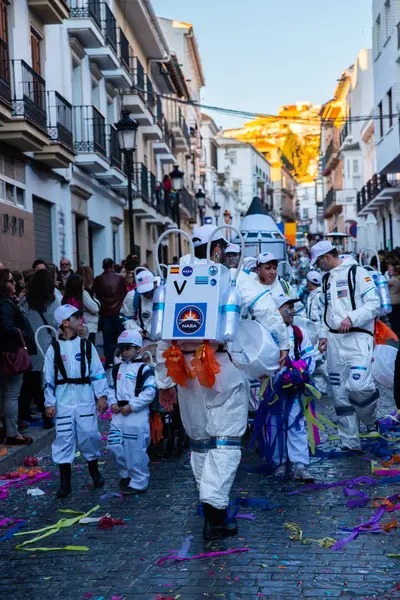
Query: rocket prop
point(203, 305)
point(380, 282)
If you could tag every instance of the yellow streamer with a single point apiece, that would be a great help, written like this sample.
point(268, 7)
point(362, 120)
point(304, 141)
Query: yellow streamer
point(52, 529)
point(297, 536)
point(76, 548)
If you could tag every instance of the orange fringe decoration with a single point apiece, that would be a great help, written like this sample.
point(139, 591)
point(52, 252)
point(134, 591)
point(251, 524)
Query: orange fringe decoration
point(176, 365)
point(205, 365)
point(383, 334)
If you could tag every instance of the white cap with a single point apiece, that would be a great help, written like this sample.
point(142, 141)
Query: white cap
point(249, 262)
point(281, 300)
point(266, 257)
point(320, 249)
point(131, 337)
point(202, 234)
point(64, 312)
point(314, 277)
point(233, 249)
point(145, 281)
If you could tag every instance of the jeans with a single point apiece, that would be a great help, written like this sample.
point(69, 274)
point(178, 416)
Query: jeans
point(9, 392)
point(111, 328)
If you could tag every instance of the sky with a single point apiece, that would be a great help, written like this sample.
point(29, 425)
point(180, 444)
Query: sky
point(260, 54)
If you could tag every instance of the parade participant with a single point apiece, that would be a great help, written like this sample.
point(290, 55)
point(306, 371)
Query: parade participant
point(138, 304)
point(73, 377)
point(232, 256)
point(134, 390)
point(215, 419)
point(249, 264)
point(350, 304)
point(287, 431)
point(267, 271)
point(313, 312)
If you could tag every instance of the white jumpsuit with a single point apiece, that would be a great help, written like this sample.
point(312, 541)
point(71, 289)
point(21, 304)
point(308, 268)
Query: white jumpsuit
point(129, 435)
point(350, 354)
point(76, 415)
point(313, 312)
point(143, 320)
point(216, 419)
point(281, 288)
point(296, 447)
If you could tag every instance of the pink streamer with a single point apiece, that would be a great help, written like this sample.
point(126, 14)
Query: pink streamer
point(23, 480)
point(315, 429)
point(161, 561)
point(8, 522)
point(387, 472)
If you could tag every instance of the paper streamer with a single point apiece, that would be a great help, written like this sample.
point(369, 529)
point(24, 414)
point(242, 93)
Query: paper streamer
point(110, 495)
point(296, 535)
point(46, 531)
point(163, 560)
point(349, 483)
point(185, 547)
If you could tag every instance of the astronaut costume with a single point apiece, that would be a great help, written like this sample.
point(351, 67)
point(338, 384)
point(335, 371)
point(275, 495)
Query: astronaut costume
point(129, 434)
point(137, 304)
point(279, 287)
point(349, 355)
point(71, 386)
point(215, 419)
point(313, 313)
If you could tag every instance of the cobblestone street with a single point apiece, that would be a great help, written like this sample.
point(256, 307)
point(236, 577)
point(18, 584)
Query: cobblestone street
point(121, 563)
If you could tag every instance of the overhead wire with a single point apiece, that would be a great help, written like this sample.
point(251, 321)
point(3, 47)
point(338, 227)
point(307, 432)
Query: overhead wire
point(317, 120)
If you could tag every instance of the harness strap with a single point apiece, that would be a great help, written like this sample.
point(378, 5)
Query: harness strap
point(59, 367)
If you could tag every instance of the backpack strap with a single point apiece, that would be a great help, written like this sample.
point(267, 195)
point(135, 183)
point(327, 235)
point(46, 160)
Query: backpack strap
point(298, 339)
point(284, 286)
point(59, 366)
point(114, 372)
point(351, 280)
point(141, 378)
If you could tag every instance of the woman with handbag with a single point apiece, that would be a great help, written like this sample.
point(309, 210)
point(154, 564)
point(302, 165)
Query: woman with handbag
point(91, 306)
point(16, 344)
point(39, 305)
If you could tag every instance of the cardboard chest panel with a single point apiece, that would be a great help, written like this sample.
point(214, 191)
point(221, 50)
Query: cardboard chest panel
point(193, 301)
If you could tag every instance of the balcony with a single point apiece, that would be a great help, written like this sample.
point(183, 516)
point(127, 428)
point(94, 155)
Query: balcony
point(165, 149)
point(90, 139)
point(84, 23)
point(331, 157)
point(196, 141)
point(51, 12)
point(330, 206)
point(5, 83)
point(139, 100)
point(59, 154)
point(106, 56)
point(178, 126)
point(377, 191)
point(27, 129)
point(114, 176)
point(345, 135)
point(154, 131)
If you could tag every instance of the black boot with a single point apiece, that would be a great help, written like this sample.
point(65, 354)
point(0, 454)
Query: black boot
point(65, 480)
point(215, 523)
point(98, 479)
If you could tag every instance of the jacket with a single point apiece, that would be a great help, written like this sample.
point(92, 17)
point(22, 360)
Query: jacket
point(63, 280)
point(36, 321)
point(12, 318)
point(138, 312)
point(109, 287)
point(314, 306)
point(281, 288)
point(91, 309)
point(337, 304)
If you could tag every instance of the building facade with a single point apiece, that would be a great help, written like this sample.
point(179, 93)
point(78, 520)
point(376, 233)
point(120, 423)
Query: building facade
point(378, 202)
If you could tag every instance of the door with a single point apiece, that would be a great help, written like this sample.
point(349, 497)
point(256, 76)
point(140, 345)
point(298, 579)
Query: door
point(4, 53)
point(36, 93)
point(42, 229)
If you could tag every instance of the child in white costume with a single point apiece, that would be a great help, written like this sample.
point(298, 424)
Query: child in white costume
point(73, 376)
point(134, 390)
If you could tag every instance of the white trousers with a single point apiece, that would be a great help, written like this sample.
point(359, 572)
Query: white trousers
point(295, 438)
point(354, 390)
point(76, 426)
point(215, 420)
point(128, 440)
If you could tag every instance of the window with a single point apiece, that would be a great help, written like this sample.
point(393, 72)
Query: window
point(390, 106)
point(356, 167)
point(387, 19)
point(11, 193)
point(305, 213)
point(378, 36)
point(35, 52)
point(380, 114)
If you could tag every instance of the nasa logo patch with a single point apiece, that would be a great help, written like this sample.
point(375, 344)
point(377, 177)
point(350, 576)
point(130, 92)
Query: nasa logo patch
point(213, 270)
point(187, 271)
point(78, 357)
point(190, 319)
point(356, 376)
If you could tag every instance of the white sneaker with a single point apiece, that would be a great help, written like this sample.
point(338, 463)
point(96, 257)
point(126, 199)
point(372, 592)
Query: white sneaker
point(280, 472)
point(301, 473)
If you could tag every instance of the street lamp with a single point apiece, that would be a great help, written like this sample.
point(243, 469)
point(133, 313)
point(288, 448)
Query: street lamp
point(217, 212)
point(201, 201)
point(177, 184)
point(126, 133)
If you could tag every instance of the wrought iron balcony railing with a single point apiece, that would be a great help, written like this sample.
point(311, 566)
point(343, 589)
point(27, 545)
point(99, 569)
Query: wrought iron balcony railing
point(60, 125)
point(28, 94)
point(141, 177)
point(114, 152)
point(109, 27)
point(86, 9)
point(371, 189)
point(125, 52)
point(89, 130)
